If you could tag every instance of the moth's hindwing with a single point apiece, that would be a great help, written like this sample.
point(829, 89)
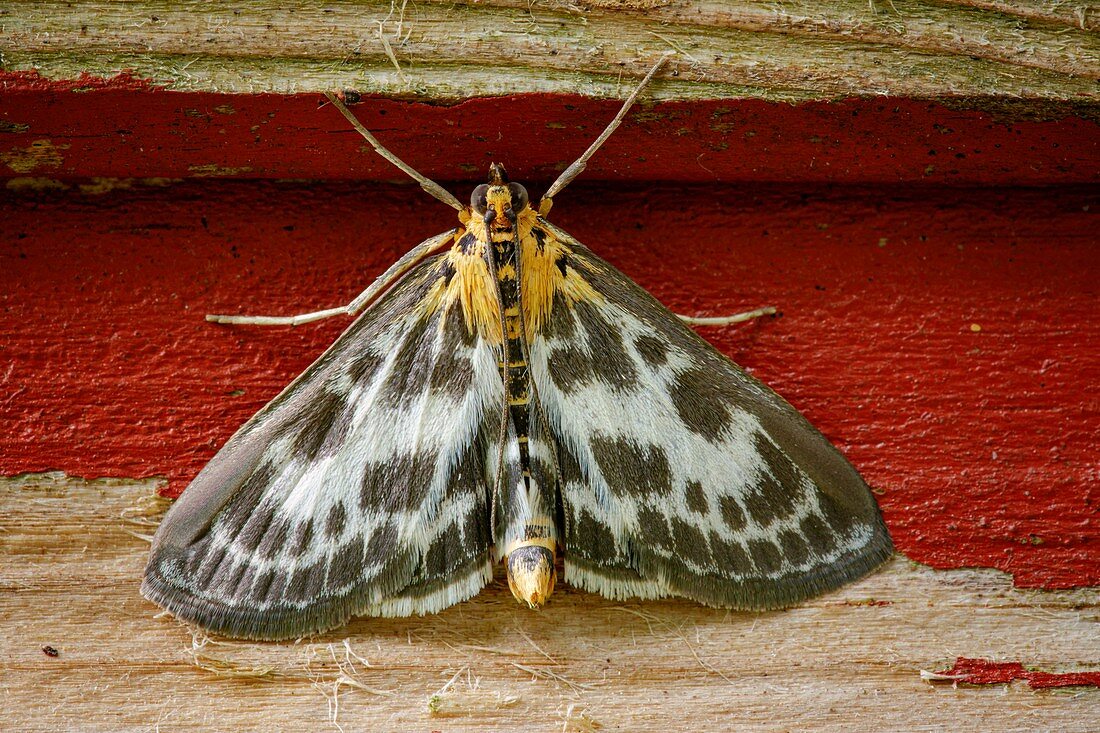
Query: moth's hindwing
point(680, 473)
point(360, 489)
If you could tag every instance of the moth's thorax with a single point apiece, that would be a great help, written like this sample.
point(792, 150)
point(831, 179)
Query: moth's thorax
point(542, 270)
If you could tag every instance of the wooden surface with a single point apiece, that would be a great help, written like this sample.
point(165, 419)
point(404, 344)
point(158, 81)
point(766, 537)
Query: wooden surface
point(69, 569)
point(790, 50)
point(944, 337)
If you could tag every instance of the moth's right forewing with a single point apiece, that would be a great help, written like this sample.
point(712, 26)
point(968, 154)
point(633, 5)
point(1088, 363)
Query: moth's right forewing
point(360, 489)
point(681, 474)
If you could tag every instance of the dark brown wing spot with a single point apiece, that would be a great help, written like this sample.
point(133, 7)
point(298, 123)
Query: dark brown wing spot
point(631, 469)
point(277, 591)
point(363, 367)
point(401, 484)
point(653, 528)
point(305, 585)
point(303, 538)
point(817, 534)
point(274, 539)
point(776, 492)
point(347, 566)
point(453, 372)
point(654, 351)
point(262, 586)
point(228, 576)
point(690, 543)
point(766, 555)
point(475, 529)
point(696, 396)
point(695, 497)
point(567, 464)
point(730, 558)
point(322, 428)
point(256, 527)
point(562, 324)
point(732, 514)
point(444, 554)
point(337, 519)
point(594, 539)
point(411, 365)
point(794, 547)
point(570, 368)
point(840, 519)
point(247, 499)
point(611, 363)
point(382, 544)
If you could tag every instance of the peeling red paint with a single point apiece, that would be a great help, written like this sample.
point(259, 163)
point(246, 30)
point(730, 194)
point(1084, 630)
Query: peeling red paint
point(986, 672)
point(945, 338)
point(33, 81)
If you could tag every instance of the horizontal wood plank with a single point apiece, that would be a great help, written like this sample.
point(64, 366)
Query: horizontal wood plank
point(794, 50)
point(70, 567)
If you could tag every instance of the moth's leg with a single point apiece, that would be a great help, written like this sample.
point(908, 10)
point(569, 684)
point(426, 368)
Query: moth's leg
point(381, 284)
point(295, 320)
point(575, 169)
point(728, 320)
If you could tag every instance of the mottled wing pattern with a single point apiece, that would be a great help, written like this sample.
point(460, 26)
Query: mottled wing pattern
point(360, 489)
point(680, 473)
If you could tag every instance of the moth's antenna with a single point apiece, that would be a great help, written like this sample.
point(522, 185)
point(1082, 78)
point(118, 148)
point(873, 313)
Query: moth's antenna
point(427, 184)
point(575, 169)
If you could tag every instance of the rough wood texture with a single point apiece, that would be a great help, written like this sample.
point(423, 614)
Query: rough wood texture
point(68, 579)
point(790, 50)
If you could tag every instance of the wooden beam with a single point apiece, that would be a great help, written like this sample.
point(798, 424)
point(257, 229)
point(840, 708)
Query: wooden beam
point(793, 50)
point(70, 565)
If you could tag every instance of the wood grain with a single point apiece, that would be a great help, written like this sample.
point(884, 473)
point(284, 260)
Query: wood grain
point(69, 574)
point(790, 50)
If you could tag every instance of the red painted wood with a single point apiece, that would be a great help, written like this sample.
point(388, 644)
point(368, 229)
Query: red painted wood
point(986, 672)
point(122, 130)
point(982, 443)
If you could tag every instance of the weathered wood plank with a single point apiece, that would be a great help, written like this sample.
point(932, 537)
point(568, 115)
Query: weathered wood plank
point(797, 49)
point(69, 574)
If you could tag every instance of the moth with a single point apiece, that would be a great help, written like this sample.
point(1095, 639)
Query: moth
point(508, 396)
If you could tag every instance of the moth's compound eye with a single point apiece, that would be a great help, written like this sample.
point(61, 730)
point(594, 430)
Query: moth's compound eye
point(519, 197)
point(477, 198)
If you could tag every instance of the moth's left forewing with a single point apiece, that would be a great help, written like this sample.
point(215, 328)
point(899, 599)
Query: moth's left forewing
point(360, 489)
point(680, 473)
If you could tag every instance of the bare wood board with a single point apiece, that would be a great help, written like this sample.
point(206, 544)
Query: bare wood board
point(71, 561)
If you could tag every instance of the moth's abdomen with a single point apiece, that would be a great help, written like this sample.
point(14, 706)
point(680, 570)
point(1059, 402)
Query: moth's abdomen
point(531, 550)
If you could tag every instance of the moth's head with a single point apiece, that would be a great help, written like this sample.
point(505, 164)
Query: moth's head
point(499, 202)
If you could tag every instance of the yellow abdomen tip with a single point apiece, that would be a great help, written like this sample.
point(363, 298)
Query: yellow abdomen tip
point(531, 574)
